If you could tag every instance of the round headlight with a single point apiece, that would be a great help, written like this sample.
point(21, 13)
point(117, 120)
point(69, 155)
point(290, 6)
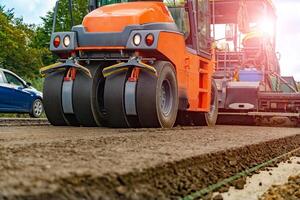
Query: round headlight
point(67, 40)
point(137, 38)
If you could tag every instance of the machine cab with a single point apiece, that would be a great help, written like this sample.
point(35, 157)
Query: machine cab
point(194, 26)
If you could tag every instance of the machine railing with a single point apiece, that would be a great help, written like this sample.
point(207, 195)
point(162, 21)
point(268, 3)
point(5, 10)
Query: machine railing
point(228, 61)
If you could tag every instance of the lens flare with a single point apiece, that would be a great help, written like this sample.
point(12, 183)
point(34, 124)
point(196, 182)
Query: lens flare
point(267, 26)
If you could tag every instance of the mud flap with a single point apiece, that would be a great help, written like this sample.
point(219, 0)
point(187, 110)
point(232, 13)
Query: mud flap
point(130, 98)
point(67, 93)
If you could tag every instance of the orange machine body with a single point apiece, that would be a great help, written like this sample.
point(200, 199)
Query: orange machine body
point(115, 17)
point(193, 71)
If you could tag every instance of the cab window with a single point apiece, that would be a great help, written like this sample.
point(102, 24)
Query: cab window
point(203, 25)
point(100, 3)
point(11, 79)
point(180, 15)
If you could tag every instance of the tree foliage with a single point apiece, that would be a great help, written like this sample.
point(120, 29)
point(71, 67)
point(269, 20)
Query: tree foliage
point(63, 20)
point(25, 48)
point(16, 52)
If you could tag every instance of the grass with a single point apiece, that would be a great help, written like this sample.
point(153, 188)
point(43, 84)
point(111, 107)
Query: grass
point(37, 83)
point(11, 115)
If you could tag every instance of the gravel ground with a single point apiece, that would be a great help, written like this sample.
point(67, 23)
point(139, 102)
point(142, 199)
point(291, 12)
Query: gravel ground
point(258, 184)
point(98, 163)
point(289, 190)
point(23, 122)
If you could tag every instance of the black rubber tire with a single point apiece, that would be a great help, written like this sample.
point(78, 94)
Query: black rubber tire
point(149, 92)
point(210, 118)
point(52, 100)
point(88, 97)
point(114, 100)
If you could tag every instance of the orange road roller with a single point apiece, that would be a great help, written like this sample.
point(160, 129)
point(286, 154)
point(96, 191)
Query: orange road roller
point(134, 64)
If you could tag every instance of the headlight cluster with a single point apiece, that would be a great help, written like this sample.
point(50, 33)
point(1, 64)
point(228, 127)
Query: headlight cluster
point(149, 39)
point(66, 41)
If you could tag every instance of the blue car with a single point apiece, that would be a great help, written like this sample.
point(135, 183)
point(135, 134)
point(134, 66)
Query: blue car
point(18, 96)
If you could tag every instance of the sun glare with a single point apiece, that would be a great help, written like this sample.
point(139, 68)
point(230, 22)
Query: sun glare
point(266, 26)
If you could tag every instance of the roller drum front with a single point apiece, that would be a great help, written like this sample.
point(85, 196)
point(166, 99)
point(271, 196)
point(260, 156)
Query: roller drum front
point(114, 102)
point(52, 100)
point(88, 97)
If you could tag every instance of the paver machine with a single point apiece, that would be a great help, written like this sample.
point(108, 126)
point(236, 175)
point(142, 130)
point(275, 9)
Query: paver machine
point(133, 64)
point(247, 73)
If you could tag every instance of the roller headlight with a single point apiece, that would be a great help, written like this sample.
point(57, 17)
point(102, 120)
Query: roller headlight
point(137, 38)
point(67, 40)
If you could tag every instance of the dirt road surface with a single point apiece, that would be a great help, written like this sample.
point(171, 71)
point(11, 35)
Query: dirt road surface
point(258, 184)
point(23, 122)
point(289, 190)
point(98, 163)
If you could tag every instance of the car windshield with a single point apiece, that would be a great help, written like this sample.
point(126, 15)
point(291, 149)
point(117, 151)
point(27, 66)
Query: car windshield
point(11, 79)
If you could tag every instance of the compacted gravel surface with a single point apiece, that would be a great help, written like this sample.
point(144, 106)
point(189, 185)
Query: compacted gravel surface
point(98, 163)
point(289, 190)
point(23, 122)
point(269, 177)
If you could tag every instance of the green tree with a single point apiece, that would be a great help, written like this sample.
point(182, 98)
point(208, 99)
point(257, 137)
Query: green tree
point(63, 23)
point(63, 20)
point(25, 48)
point(15, 43)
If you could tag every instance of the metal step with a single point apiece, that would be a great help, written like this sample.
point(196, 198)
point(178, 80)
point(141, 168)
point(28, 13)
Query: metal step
point(262, 114)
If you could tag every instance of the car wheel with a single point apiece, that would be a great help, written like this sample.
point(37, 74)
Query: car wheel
point(37, 108)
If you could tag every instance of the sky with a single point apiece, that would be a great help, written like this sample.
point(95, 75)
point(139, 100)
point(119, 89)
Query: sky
point(288, 36)
point(288, 27)
point(30, 10)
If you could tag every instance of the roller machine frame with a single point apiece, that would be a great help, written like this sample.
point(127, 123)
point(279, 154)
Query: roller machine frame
point(131, 64)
